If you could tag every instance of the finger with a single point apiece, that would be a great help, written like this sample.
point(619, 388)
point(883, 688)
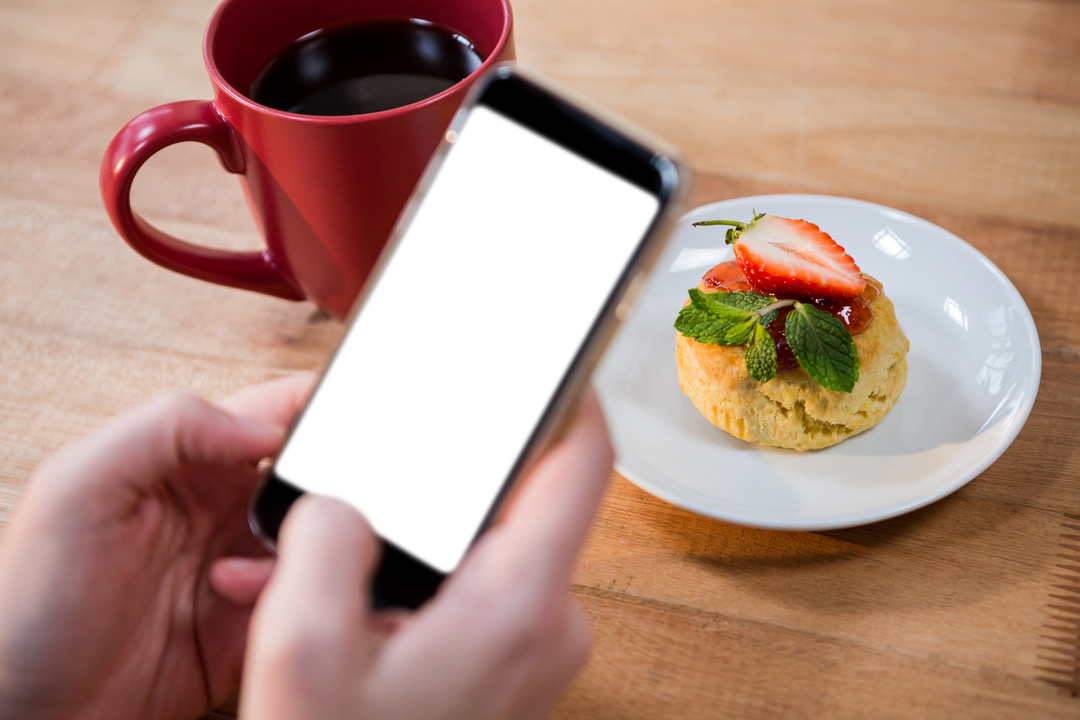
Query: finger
point(309, 636)
point(240, 579)
point(547, 523)
point(139, 448)
point(277, 401)
point(326, 554)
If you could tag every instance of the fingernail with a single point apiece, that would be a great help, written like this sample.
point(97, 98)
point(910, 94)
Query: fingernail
point(238, 564)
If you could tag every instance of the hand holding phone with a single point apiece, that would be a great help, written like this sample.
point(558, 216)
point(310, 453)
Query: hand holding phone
point(479, 326)
point(114, 546)
point(502, 639)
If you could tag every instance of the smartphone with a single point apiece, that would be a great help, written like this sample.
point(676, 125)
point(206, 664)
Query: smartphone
point(530, 231)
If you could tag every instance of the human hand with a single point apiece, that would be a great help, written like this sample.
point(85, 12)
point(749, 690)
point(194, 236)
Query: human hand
point(114, 600)
point(501, 639)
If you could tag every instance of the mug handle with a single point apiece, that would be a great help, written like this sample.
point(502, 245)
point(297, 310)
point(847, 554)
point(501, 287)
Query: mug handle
point(191, 120)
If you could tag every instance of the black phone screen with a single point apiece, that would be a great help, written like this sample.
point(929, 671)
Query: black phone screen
point(460, 344)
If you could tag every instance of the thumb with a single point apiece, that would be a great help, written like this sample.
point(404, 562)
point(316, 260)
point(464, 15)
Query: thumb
point(175, 429)
point(132, 453)
point(309, 643)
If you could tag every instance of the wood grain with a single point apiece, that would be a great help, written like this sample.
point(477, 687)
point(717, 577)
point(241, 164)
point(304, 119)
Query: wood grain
point(966, 113)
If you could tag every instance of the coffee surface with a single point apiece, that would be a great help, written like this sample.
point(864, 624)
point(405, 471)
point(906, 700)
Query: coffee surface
point(365, 67)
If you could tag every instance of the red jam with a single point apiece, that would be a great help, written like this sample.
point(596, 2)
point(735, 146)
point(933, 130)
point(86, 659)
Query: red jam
point(855, 314)
point(727, 276)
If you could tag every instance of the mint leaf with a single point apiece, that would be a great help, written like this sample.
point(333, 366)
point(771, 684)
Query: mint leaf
point(750, 301)
point(741, 299)
point(823, 347)
point(703, 326)
point(709, 321)
point(761, 355)
point(740, 334)
point(722, 307)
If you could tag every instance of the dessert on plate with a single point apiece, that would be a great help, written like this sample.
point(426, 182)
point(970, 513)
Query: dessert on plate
point(790, 344)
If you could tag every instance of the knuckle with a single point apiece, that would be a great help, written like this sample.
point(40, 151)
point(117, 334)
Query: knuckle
point(180, 420)
point(178, 402)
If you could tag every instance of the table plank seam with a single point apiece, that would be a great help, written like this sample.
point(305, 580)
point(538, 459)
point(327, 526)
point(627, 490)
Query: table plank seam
point(712, 616)
point(1061, 658)
point(172, 354)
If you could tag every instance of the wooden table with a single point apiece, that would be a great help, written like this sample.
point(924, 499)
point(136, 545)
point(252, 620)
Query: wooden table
point(965, 112)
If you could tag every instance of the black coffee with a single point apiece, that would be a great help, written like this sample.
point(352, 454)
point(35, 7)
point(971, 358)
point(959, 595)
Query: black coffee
point(365, 67)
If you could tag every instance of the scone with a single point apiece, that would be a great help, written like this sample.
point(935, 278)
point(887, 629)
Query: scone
point(792, 410)
point(797, 349)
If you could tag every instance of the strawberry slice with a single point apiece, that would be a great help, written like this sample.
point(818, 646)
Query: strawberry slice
point(792, 257)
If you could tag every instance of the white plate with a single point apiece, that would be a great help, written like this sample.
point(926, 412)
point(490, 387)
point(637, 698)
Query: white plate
point(974, 371)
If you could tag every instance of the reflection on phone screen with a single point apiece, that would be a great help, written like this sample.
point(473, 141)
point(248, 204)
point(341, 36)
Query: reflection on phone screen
point(458, 349)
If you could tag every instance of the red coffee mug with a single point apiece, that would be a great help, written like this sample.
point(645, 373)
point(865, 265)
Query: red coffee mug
point(325, 191)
